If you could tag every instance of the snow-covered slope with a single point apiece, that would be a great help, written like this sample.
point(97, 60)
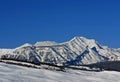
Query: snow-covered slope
point(6, 51)
point(13, 73)
point(78, 50)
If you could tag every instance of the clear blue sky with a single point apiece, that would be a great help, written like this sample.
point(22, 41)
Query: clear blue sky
point(29, 21)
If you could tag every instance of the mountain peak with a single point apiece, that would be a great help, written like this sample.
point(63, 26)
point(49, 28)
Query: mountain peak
point(24, 45)
point(87, 42)
point(81, 38)
point(45, 43)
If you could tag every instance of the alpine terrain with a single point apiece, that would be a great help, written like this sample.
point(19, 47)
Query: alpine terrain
point(77, 51)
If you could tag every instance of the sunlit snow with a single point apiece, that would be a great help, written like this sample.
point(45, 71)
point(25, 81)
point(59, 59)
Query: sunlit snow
point(13, 73)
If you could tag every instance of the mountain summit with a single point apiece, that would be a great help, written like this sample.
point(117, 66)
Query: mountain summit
point(77, 51)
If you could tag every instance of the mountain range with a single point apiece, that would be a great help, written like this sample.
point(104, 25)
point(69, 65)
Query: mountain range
point(77, 51)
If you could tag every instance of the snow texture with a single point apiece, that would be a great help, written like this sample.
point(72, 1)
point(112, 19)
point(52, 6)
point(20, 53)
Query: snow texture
point(13, 73)
point(78, 50)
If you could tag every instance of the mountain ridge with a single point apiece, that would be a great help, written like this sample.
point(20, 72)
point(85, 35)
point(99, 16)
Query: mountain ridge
point(77, 51)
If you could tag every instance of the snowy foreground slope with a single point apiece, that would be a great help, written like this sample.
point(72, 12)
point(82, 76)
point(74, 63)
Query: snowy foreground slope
point(13, 73)
point(77, 51)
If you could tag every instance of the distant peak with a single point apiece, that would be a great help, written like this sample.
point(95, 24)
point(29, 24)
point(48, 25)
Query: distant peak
point(27, 44)
point(45, 43)
point(79, 38)
point(24, 45)
point(88, 42)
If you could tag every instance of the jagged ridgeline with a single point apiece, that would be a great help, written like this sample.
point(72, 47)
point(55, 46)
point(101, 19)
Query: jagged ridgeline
point(77, 51)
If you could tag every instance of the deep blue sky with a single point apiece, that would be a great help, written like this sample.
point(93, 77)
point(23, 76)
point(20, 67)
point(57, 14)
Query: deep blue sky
point(29, 21)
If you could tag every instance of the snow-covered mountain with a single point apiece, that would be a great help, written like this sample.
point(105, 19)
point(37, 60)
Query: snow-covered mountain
point(78, 50)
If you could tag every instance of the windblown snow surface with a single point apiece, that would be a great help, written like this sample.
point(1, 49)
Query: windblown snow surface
point(14, 73)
